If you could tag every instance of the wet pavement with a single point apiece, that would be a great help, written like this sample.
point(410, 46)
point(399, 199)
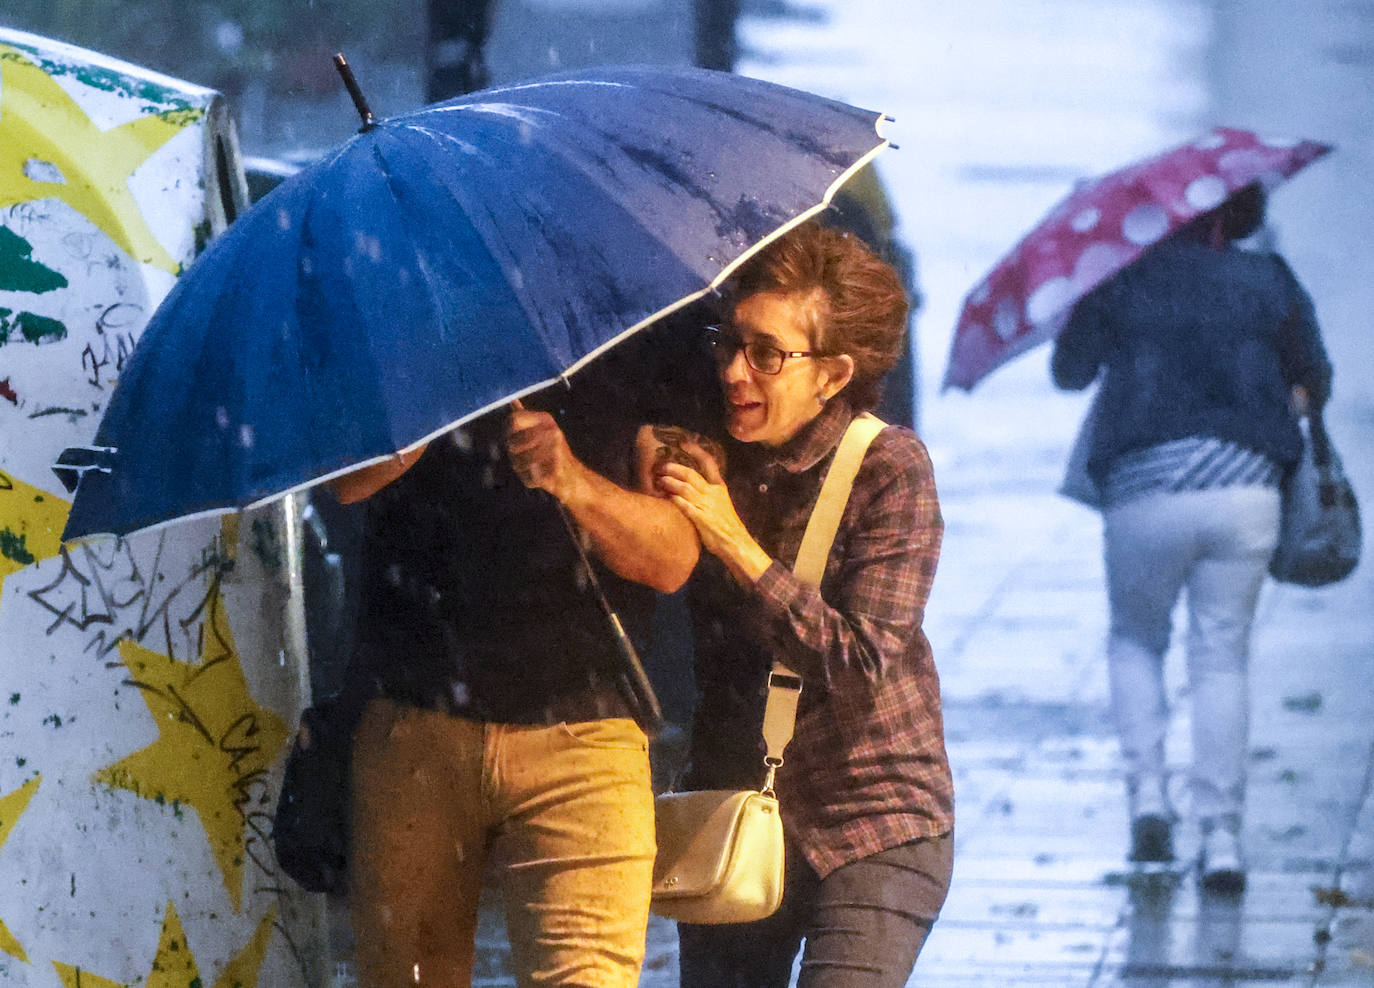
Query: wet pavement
point(1000, 104)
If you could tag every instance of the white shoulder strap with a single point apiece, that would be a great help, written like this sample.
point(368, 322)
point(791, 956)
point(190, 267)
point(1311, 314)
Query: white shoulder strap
point(834, 495)
point(784, 685)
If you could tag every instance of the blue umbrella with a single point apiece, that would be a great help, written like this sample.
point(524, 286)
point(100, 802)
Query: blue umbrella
point(444, 262)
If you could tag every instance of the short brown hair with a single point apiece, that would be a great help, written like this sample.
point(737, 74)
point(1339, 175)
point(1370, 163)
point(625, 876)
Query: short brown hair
point(860, 306)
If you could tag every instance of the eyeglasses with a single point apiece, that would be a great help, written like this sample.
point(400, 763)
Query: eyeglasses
point(762, 357)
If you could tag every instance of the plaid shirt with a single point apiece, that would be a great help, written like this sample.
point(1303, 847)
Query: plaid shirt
point(866, 769)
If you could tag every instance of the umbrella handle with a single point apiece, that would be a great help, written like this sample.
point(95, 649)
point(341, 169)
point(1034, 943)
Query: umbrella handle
point(351, 84)
point(634, 683)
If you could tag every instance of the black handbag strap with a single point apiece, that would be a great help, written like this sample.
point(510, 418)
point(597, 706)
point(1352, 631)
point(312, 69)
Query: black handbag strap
point(1316, 434)
point(784, 685)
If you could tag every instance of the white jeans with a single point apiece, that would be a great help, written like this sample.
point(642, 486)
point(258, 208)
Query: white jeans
point(1217, 544)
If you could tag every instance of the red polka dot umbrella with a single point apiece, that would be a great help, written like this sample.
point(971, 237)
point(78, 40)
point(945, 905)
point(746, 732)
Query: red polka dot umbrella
point(1100, 227)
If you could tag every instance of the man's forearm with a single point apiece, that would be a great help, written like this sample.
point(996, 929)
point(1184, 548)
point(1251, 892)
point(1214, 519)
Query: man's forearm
point(361, 484)
point(640, 537)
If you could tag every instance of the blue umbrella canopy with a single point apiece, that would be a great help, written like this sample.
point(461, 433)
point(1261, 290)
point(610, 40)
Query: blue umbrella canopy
point(443, 262)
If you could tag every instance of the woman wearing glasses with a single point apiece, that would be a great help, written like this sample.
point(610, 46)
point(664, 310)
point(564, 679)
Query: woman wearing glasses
point(865, 788)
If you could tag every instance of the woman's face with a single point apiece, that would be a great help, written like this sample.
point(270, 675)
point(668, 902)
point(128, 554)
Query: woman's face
point(772, 408)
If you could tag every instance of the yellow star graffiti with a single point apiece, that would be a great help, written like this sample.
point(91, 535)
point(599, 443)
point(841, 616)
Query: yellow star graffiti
point(174, 965)
point(242, 971)
point(31, 523)
point(12, 805)
point(214, 748)
point(40, 122)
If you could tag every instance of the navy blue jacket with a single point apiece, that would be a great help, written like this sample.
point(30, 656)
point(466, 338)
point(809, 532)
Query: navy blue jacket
point(1195, 341)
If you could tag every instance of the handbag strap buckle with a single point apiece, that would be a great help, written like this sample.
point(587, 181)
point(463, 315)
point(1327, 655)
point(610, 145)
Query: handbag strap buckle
point(772, 762)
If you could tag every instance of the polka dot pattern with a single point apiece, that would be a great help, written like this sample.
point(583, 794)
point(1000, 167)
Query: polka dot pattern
point(1100, 227)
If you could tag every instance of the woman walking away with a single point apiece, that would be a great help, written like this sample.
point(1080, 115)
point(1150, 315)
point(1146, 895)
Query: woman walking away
point(1206, 348)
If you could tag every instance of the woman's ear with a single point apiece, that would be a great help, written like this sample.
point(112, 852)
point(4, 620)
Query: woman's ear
point(836, 373)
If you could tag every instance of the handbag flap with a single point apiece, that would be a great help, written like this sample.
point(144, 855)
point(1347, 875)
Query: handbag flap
point(697, 833)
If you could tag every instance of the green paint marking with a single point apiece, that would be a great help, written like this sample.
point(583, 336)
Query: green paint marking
point(40, 329)
point(14, 698)
point(158, 97)
point(32, 328)
point(12, 547)
point(265, 544)
point(182, 117)
point(19, 272)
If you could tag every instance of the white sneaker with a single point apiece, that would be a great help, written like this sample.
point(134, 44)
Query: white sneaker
point(1220, 864)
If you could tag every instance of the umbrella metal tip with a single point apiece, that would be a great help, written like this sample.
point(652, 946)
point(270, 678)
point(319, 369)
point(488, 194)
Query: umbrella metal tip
point(355, 92)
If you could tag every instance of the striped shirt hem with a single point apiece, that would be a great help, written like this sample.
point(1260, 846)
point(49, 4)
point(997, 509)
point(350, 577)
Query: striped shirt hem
point(1196, 463)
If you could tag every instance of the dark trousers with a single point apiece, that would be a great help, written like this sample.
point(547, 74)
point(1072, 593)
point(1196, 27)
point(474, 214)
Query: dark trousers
point(863, 924)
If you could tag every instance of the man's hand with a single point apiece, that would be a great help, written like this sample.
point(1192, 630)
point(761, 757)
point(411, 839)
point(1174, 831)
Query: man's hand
point(539, 452)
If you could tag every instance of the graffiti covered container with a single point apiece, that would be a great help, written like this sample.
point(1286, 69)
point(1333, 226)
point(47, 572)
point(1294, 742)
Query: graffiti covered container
point(148, 685)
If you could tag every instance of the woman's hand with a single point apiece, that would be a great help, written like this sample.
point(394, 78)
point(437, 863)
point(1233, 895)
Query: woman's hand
point(701, 495)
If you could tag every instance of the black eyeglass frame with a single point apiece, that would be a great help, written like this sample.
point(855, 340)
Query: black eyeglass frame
point(716, 339)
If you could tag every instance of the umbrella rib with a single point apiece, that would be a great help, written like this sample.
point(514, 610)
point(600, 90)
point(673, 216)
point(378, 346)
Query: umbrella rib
point(561, 151)
point(473, 211)
point(729, 270)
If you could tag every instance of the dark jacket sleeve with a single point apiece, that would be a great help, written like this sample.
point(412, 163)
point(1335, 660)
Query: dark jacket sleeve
point(1080, 349)
point(1302, 358)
